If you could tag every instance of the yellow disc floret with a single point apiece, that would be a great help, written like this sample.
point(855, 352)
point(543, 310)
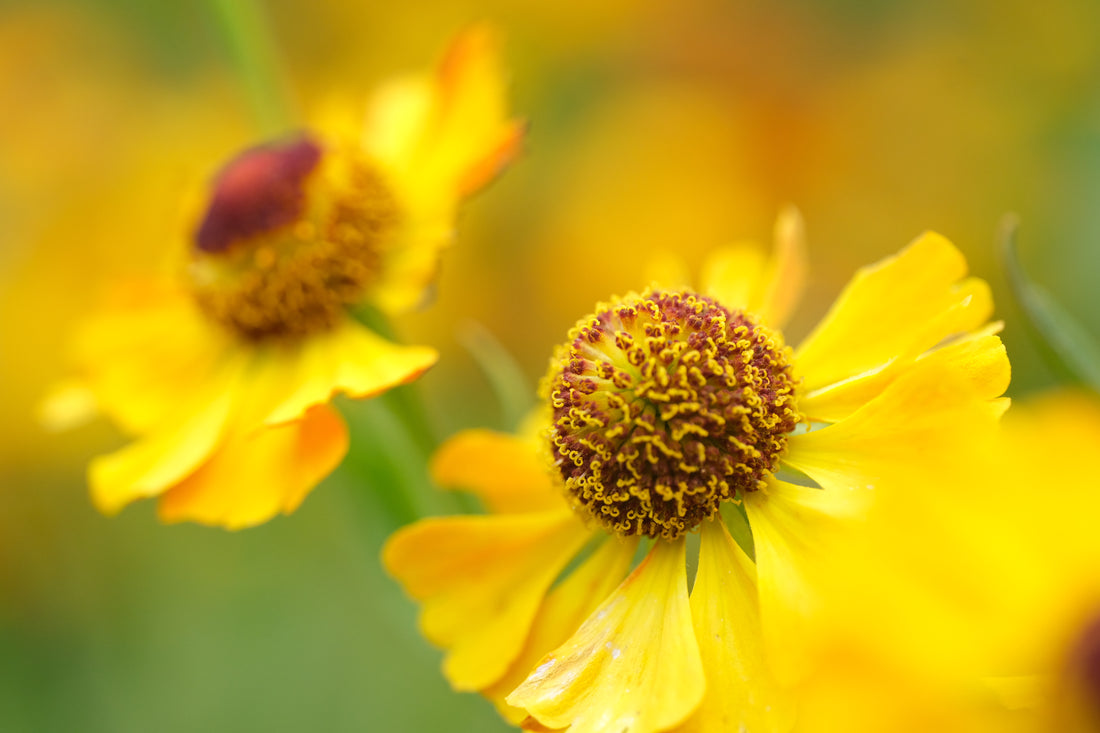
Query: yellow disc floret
point(664, 406)
point(291, 237)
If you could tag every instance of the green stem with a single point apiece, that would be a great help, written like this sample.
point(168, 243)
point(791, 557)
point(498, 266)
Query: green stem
point(248, 38)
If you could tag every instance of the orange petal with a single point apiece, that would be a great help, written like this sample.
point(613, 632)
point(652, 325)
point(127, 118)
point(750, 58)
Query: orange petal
point(255, 476)
point(481, 580)
point(348, 359)
point(633, 665)
point(567, 606)
point(896, 309)
point(505, 471)
point(927, 423)
point(167, 454)
point(741, 693)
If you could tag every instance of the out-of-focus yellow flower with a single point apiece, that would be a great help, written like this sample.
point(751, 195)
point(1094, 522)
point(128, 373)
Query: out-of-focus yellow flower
point(982, 613)
point(223, 375)
point(673, 411)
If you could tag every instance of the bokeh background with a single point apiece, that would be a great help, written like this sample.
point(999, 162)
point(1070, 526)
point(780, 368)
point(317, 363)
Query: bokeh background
point(656, 127)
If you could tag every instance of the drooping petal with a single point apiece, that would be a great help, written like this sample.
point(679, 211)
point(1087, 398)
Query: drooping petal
point(255, 476)
point(634, 665)
point(741, 692)
point(565, 608)
point(891, 311)
point(481, 580)
point(348, 359)
point(926, 423)
point(792, 529)
point(168, 453)
point(505, 471)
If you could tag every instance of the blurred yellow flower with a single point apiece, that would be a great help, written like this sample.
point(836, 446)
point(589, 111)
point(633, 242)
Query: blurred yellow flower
point(674, 411)
point(981, 613)
point(223, 375)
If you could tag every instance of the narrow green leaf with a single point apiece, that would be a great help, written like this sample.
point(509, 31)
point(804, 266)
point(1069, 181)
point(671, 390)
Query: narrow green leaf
point(1069, 348)
point(507, 380)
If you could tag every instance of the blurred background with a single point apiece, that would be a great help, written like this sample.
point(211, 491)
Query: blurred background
point(656, 127)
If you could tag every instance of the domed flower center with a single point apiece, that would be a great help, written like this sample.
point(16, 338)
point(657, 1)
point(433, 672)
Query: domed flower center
point(664, 406)
point(292, 235)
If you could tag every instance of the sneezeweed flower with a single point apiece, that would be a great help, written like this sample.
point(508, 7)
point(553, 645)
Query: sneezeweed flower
point(676, 412)
point(224, 376)
point(1004, 611)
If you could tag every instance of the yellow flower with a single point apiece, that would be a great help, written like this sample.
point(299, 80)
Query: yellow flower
point(223, 375)
point(673, 412)
point(988, 617)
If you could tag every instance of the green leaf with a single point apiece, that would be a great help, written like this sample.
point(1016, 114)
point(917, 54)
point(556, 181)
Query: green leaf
point(507, 380)
point(1071, 351)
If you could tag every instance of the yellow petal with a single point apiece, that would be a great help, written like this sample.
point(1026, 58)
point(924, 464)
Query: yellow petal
point(837, 401)
point(139, 375)
point(784, 277)
point(167, 454)
point(634, 665)
point(887, 312)
point(741, 693)
point(732, 274)
point(481, 580)
point(793, 528)
point(925, 424)
point(667, 271)
point(68, 405)
point(565, 608)
point(348, 359)
point(254, 477)
point(744, 277)
point(452, 132)
point(505, 471)
point(439, 141)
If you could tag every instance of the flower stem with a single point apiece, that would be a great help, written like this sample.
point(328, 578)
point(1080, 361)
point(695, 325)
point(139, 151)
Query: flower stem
point(246, 31)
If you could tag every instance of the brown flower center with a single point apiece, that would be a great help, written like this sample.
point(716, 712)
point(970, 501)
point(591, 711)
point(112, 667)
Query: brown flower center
point(664, 406)
point(291, 237)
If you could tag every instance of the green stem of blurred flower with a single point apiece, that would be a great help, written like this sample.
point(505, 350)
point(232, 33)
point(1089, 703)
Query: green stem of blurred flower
point(394, 431)
point(246, 31)
point(506, 378)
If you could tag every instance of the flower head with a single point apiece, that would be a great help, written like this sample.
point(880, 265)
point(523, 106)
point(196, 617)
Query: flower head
point(223, 375)
point(680, 411)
